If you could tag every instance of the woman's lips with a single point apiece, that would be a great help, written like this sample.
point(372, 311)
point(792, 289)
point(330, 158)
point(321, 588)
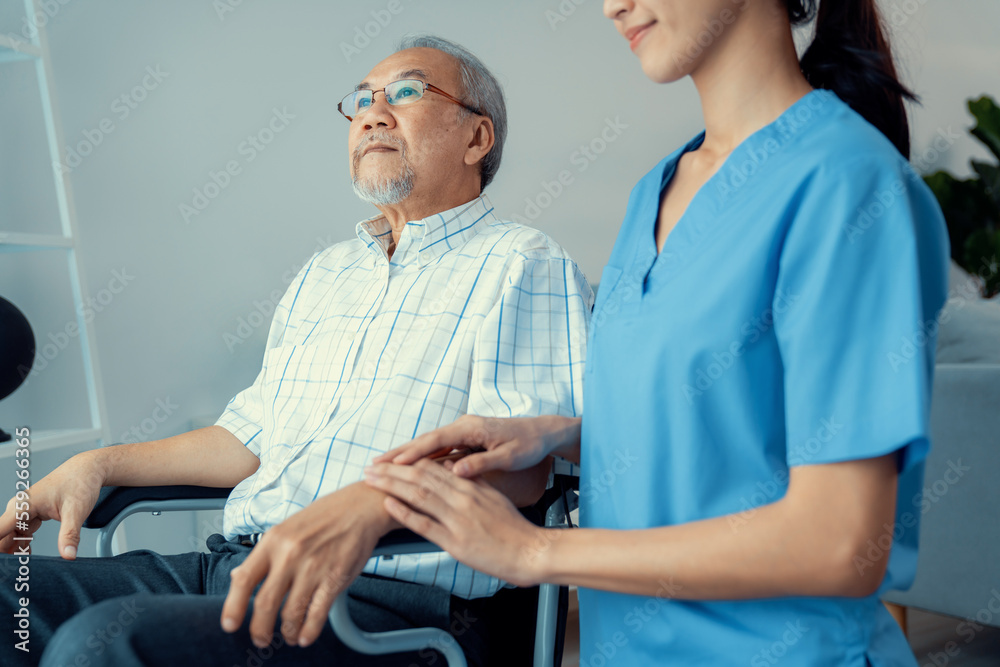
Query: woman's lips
point(637, 36)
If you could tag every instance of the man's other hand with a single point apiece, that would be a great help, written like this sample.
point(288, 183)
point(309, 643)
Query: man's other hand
point(67, 494)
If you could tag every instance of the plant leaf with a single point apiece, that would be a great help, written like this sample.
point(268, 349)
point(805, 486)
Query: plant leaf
point(966, 207)
point(987, 129)
point(990, 173)
point(982, 258)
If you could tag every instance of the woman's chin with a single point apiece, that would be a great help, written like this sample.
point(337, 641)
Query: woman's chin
point(663, 70)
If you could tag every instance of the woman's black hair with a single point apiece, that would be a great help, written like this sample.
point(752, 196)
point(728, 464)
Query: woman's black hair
point(851, 56)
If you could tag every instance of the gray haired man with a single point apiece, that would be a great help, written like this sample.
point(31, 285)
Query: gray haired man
point(437, 309)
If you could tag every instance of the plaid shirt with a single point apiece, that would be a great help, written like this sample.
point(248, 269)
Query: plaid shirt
point(471, 315)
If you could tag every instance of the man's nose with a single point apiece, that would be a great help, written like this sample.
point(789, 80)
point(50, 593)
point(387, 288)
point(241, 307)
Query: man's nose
point(379, 114)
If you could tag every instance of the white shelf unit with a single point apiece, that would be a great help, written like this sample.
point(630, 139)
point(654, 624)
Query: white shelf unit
point(45, 247)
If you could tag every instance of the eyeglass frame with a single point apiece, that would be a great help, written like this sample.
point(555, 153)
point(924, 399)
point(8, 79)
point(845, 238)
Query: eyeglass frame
point(428, 86)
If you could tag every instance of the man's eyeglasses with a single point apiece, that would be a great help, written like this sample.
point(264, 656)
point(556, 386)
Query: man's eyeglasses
point(404, 91)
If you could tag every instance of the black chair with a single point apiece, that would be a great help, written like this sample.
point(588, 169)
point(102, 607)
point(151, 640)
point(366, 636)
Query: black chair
point(540, 635)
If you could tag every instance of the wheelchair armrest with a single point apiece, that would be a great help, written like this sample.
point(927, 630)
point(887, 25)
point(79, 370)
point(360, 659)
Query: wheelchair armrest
point(403, 541)
point(114, 499)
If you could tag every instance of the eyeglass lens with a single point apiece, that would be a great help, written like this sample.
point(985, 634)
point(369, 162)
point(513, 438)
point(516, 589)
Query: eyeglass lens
point(405, 91)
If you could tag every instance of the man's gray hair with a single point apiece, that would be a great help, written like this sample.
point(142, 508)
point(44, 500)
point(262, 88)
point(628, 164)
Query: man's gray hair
point(482, 92)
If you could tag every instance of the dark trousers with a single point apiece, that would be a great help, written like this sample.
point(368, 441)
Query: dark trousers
point(142, 608)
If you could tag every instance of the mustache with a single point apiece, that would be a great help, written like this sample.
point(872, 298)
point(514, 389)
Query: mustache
point(381, 137)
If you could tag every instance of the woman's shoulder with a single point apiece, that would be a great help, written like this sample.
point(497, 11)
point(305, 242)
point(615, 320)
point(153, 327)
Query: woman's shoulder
point(827, 137)
point(844, 169)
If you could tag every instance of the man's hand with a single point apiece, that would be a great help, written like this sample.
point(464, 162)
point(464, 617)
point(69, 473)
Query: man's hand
point(67, 494)
point(311, 558)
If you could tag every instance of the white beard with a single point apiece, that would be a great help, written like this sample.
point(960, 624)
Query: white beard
point(385, 191)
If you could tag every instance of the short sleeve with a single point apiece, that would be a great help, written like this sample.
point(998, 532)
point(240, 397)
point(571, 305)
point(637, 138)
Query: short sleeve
point(531, 348)
point(244, 414)
point(862, 276)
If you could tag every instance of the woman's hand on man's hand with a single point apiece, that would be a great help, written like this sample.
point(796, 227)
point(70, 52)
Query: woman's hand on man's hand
point(491, 443)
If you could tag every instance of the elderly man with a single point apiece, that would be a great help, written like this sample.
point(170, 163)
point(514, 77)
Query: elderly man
point(435, 310)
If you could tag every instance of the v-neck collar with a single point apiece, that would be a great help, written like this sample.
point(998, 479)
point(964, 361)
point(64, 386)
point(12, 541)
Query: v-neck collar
point(705, 212)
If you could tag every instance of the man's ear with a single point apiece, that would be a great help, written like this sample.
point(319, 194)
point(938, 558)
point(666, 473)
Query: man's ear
point(482, 141)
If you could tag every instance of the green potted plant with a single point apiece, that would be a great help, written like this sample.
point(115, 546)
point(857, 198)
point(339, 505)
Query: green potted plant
point(972, 206)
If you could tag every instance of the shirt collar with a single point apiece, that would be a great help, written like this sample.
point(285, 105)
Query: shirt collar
point(427, 239)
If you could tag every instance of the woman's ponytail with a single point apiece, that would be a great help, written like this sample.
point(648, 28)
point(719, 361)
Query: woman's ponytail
point(851, 56)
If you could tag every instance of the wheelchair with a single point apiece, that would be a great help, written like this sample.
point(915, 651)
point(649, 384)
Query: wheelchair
point(542, 639)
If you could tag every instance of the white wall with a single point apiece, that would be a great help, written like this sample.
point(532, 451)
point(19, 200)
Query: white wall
point(162, 339)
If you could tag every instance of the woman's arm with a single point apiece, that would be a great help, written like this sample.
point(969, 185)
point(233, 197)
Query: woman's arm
point(509, 443)
point(815, 541)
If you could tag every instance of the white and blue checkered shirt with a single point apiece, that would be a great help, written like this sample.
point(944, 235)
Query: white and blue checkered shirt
point(471, 315)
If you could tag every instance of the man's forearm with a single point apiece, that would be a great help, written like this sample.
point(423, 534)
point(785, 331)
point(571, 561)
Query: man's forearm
point(209, 456)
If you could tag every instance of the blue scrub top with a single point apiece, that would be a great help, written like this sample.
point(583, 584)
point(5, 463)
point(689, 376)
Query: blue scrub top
point(789, 320)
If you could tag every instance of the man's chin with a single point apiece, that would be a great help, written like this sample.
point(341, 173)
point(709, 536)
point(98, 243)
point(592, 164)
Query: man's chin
point(382, 191)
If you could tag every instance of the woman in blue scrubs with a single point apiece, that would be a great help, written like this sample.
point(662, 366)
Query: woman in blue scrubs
point(759, 366)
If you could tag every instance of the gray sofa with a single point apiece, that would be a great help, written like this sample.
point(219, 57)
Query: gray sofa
point(958, 568)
